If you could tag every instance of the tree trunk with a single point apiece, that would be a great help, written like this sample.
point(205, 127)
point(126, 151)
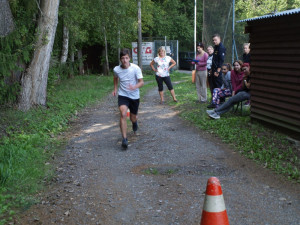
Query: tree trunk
point(140, 62)
point(6, 18)
point(65, 46)
point(34, 81)
point(106, 54)
point(81, 68)
point(71, 73)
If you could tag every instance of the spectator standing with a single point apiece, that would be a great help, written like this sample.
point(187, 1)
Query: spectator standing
point(217, 62)
point(246, 55)
point(210, 51)
point(163, 73)
point(201, 73)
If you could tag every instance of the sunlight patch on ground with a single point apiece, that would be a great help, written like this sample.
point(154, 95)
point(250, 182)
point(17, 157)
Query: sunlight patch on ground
point(97, 127)
point(166, 115)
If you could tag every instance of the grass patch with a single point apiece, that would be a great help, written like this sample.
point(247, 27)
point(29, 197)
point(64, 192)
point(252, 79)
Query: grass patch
point(253, 140)
point(160, 171)
point(151, 171)
point(28, 140)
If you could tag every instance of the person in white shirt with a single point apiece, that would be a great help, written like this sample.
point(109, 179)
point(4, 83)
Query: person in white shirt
point(130, 78)
point(162, 72)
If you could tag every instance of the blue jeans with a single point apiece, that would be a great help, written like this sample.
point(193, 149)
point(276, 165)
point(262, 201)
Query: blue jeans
point(240, 96)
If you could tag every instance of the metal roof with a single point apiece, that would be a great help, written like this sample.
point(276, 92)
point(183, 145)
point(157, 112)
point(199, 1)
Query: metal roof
point(283, 13)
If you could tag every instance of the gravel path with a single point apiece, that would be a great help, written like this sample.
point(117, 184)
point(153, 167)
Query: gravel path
point(160, 179)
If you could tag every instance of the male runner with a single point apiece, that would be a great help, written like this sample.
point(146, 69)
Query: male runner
point(131, 79)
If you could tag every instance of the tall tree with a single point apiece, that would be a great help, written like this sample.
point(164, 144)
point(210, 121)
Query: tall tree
point(6, 19)
point(65, 45)
point(34, 81)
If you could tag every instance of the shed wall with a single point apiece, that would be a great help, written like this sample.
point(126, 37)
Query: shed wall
point(275, 71)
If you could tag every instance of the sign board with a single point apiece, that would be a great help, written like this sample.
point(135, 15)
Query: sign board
point(147, 52)
point(167, 49)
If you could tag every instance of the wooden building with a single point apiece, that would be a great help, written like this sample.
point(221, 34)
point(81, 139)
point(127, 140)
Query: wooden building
point(275, 69)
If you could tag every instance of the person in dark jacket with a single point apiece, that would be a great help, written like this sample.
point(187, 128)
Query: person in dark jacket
point(217, 62)
point(246, 55)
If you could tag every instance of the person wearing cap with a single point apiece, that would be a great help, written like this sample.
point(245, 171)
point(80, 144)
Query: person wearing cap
point(201, 73)
point(242, 95)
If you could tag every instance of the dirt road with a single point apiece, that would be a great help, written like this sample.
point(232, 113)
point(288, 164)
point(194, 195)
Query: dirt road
point(160, 179)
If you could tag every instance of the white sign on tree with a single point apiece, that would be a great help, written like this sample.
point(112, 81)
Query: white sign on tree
point(147, 52)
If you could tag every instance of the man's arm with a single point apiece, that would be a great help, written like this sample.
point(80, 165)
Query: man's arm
point(138, 85)
point(116, 80)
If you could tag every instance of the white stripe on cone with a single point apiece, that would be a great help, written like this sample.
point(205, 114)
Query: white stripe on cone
point(214, 203)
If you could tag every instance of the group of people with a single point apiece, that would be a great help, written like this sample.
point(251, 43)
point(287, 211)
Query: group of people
point(223, 81)
point(210, 67)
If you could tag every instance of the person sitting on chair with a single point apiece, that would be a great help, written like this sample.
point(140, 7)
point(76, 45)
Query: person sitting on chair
point(226, 88)
point(242, 95)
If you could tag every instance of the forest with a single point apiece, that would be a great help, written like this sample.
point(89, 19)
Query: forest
point(43, 41)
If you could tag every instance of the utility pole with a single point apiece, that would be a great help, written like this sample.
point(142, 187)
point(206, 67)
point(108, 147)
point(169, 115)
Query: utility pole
point(119, 45)
point(140, 35)
point(166, 44)
point(233, 18)
point(195, 30)
point(203, 21)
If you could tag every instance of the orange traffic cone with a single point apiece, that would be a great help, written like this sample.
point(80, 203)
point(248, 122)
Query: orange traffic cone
point(128, 113)
point(214, 211)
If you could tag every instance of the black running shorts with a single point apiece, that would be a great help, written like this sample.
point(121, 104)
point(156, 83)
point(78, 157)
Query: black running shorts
point(132, 104)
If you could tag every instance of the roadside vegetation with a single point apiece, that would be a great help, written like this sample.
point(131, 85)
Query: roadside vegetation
point(266, 146)
point(30, 141)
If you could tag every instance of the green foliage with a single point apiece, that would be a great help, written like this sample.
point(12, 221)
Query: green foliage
point(16, 48)
point(250, 8)
point(293, 4)
point(253, 140)
point(175, 19)
point(28, 140)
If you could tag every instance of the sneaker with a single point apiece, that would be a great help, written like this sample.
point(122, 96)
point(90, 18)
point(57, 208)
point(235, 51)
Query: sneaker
point(214, 116)
point(124, 143)
point(247, 103)
point(211, 106)
point(210, 111)
point(135, 126)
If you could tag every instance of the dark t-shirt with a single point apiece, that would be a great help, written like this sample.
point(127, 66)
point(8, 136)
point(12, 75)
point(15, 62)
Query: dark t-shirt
point(247, 58)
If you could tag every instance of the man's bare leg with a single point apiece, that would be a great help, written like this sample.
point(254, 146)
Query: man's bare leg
point(123, 124)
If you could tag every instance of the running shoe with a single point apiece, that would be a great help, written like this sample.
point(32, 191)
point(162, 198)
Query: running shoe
point(124, 143)
point(135, 126)
point(209, 112)
point(214, 116)
point(211, 106)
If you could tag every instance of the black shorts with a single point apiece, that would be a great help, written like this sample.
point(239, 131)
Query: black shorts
point(167, 81)
point(132, 104)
